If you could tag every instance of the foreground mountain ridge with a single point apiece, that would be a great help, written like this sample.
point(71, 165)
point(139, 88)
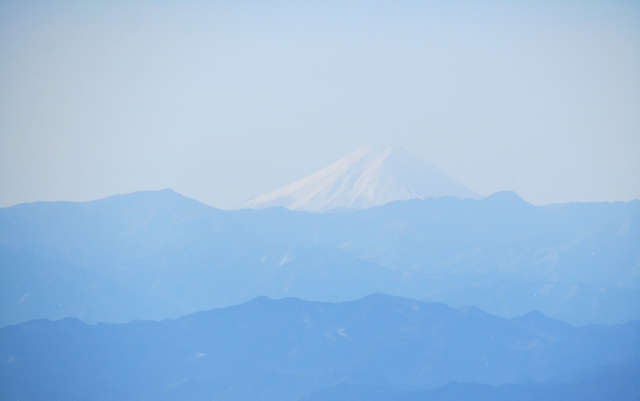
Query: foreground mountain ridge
point(292, 350)
point(369, 176)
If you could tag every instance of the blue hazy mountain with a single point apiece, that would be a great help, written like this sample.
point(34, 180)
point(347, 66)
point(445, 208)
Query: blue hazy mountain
point(157, 254)
point(291, 349)
point(576, 262)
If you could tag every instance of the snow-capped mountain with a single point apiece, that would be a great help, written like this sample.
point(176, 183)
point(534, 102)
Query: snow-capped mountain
point(370, 176)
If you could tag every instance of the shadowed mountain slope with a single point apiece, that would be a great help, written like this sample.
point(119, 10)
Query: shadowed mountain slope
point(288, 349)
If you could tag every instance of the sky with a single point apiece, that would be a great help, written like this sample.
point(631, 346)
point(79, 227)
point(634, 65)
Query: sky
point(225, 100)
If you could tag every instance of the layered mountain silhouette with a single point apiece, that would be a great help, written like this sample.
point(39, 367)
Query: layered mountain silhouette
point(376, 348)
point(157, 254)
point(370, 176)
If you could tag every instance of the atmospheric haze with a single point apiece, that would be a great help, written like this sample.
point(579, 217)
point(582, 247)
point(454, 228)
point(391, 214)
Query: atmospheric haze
point(370, 176)
point(223, 101)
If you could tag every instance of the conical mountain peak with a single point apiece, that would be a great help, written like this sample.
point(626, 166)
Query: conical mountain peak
point(369, 176)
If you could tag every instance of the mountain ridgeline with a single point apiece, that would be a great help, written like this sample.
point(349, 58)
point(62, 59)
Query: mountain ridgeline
point(157, 255)
point(377, 348)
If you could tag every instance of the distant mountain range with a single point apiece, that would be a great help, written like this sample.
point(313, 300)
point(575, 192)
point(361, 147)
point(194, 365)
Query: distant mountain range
point(377, 348)
point(136, 267)
point(370, 176)
point(157, 254)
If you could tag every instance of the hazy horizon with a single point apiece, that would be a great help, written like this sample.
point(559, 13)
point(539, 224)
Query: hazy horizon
point(224, 101)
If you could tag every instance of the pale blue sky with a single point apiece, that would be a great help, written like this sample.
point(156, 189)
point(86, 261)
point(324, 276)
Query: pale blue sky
point(224, 100)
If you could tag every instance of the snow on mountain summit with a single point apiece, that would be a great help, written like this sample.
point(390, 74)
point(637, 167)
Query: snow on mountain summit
point(370, 176)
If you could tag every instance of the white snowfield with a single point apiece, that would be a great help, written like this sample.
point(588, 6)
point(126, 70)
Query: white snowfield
point(370, 176)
